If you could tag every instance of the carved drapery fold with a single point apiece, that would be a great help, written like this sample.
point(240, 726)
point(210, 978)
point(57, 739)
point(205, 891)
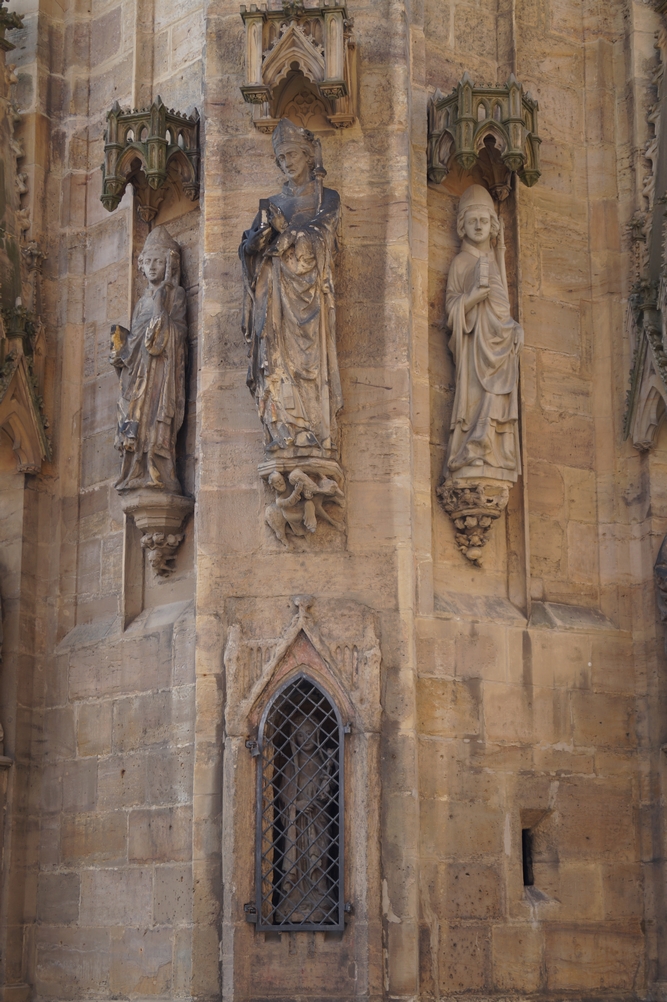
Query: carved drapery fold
point(483, 454)
point(21, 414)
point(647, 303)
point(297, 41)
point(150, 359)
point(289, 324)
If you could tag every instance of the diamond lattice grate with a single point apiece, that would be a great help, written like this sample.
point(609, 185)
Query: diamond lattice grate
point(300, 838)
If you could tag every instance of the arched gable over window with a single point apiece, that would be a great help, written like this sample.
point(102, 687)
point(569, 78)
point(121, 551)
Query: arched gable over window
point(299, 868)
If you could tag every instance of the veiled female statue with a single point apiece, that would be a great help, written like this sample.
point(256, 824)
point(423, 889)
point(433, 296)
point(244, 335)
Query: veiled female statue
point(305, 890)
point(485, 343)
point(289, 309)
point(151, 358)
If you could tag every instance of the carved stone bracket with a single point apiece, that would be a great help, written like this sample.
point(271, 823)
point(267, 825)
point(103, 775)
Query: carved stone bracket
point(148, 149)
point(473, 507)
point(493, 129)
point(299, 64)
point(307, 491)
point(160, 516)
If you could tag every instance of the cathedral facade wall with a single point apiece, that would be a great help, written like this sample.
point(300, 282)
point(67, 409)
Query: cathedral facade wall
point(503, 776)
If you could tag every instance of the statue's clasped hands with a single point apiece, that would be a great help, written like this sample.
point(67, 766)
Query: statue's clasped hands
point(287, 235)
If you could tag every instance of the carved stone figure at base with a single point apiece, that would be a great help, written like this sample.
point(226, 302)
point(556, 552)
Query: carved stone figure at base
point(299, 505)
point(150, 359)
point(290, 327)
point(483, 454)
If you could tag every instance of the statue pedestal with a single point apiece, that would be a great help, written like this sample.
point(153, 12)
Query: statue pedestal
point(308, 490)
point(159, 515)
point(473, 506)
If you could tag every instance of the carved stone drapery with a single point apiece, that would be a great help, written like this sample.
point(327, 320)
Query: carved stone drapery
point(310, 41)
point(660, 578)
point(21, 414)
point(493, 129)
point(483, 454)
point(150, 359)
point(289, 324)
point(647, 303)
point(148, 149)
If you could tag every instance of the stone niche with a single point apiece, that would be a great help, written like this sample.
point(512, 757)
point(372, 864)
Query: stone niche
point(300, 65)
point(334, 643)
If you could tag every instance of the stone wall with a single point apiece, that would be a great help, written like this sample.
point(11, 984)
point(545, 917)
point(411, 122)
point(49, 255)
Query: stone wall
point(527, 695)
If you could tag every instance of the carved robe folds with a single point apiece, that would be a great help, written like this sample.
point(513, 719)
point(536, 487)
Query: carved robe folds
point(290, 326)
point(483, 454)
point(485, 347)
point(150, 359)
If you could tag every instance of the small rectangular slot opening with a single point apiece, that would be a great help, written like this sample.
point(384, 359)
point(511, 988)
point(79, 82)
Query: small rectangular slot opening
point(527, 857)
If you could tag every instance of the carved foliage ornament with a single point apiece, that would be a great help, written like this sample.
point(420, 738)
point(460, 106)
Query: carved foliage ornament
point(8, 19)
point(473, 508)
point(493, 127)
point(148, 148)
point(314, 40)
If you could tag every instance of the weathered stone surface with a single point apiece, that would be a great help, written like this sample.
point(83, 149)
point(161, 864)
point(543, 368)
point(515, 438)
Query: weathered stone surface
point(527, 694)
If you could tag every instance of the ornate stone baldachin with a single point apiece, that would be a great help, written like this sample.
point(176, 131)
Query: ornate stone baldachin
point(147, 148)
point(463, 123)
point(315, 41)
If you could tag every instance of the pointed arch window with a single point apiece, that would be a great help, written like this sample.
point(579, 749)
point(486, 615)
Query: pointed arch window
point(299, 866)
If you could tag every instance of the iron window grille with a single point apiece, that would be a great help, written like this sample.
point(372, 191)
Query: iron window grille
point(299, 854)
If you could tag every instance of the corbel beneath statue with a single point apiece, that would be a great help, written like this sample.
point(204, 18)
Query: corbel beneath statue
point(21, 415)
point(299, 64)
point(160, 517)
point(149, 149)
point(489, 130)
point(473, 507)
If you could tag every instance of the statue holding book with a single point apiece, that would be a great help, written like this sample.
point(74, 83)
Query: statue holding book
point(485, 343)
point(289, 320)
point(150, 359)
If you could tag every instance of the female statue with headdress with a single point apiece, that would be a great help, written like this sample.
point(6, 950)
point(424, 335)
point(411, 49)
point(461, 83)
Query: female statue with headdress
point(485, 344)
point(150, 359)
point(289, 309)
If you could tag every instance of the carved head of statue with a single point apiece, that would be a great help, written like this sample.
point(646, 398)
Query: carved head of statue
point(477, 219)
point(160, 259)
point(305, 735)
point(296, 151)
